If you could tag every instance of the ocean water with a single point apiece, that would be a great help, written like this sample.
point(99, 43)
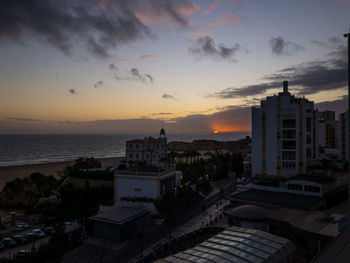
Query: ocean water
point(34, 149)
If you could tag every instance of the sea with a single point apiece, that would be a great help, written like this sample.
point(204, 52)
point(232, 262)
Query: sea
point(36, 149)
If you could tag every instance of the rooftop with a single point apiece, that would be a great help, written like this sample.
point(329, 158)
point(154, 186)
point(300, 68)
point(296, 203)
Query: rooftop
point(120, 214)
point(281, 199)
point(237, 244)
point(315, 178)
point(145, 171)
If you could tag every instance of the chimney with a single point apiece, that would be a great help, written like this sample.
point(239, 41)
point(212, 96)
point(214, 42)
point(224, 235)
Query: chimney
point(285, 87)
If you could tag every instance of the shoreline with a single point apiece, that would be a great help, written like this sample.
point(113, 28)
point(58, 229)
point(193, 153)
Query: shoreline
point(9, 173)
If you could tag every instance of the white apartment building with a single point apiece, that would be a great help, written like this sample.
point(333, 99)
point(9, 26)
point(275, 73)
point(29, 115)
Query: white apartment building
point(150, 150)
point(283, 132)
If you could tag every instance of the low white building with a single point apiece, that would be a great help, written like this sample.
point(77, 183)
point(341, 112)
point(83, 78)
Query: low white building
point(145, 183)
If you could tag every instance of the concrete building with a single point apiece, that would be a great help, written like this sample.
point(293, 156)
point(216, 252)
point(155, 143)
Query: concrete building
point(283, 133)
point(326, 135)
point(144, 182)
point(149, 150)
point(310, 231)
point(343, 133)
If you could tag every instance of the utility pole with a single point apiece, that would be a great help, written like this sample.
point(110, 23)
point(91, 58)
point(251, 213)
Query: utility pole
point(347, 35)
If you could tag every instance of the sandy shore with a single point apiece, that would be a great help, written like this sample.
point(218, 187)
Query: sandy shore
point(8, 173)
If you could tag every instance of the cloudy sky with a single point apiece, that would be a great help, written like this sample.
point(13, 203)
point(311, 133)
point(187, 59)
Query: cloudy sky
point(120, 66)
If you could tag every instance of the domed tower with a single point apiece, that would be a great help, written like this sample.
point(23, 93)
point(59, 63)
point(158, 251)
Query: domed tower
point(162, 133)
point(163, 140)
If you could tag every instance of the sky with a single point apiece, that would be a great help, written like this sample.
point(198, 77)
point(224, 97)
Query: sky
point(193, 66)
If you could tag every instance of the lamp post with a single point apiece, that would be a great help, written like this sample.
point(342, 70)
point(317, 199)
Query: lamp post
point(347, 35)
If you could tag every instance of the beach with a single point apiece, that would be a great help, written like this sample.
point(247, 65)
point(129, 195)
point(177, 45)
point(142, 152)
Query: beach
point(9, 173)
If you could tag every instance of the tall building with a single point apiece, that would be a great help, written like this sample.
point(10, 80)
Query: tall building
point(326, 134)
point(343, 136)
point(149, 150)
point(283, 132)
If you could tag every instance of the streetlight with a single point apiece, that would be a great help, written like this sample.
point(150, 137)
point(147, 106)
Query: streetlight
point(347, 35)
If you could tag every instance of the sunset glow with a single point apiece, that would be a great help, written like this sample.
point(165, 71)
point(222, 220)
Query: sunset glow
point(196, 66)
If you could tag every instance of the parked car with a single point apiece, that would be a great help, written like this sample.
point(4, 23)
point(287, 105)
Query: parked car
point(30, 236)
point(38, 233)
point(17, 228)
point(24, 225)
point(20, 239)
point(9, 242)
point(67, 223)
point(22, 253)
point(49, 230)
point(2, 246)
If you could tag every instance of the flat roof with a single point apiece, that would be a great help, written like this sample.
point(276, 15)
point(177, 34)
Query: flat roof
point(237, 244)
point(282, 199)
point(315, 178)
point(120, 214)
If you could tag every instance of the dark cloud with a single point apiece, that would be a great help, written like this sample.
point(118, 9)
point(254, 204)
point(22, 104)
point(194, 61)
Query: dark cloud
point(22, 119)
point(150, 78)
point(306, 78)
point(229, 119)
point(99, 25)
point(330, 42)
point(161, 113)
point(99, 84)
point(72, 91)
point(169, 97)
point(135, 75)
point(339, 106)
point(206, 47)
point(144, 78)
point(251, 90)
point(281, 47)
point(113, 67)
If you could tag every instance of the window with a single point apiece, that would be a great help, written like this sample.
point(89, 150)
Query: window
point(130, 155)
point(289, 145)
point(308, 139)
point(295, 187)
point(137, 156)
point(288, 165)
point(310, 188)
point(288, 155)
point(288, 134)
point(137, 189)
point(137, 146)
point(131, 146)
point(308, 124)
point(308, 152)
point(288, 123)
point(147, 156)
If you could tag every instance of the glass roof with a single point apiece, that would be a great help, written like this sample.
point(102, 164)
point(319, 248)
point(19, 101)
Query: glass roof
point(236, 244)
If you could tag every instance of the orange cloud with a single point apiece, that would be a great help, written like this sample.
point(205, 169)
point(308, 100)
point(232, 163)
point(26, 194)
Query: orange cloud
point(226, 18)
point(199, 32)
point(188, 10)
point(148, 18)
point(139, 57)
point(212, 7)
